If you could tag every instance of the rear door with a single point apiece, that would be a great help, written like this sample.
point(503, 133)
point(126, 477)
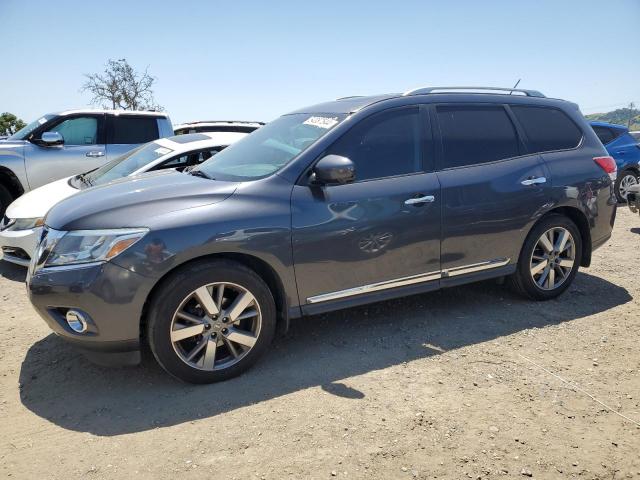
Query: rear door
point(125, 132)
point(83, 149)
point(383, 230)
point(491, 188)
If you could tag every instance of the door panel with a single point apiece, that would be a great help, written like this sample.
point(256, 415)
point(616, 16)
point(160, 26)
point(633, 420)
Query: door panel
point(487, 210)
point(82, 151)
point(358, 234)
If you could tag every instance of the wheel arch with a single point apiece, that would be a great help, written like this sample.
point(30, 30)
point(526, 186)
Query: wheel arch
point(580, 219)
point(261, 267)
point(9, 179)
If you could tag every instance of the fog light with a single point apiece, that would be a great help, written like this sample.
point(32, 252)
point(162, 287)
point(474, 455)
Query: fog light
point(76, 321)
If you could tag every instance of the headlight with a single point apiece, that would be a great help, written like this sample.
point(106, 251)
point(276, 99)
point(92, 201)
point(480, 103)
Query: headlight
point(26, 223)
point(86, 246)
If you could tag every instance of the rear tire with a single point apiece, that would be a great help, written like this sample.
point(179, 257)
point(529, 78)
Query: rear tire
point(549, 259)
point(229, 314)
point(5, 199)
point(625, 179)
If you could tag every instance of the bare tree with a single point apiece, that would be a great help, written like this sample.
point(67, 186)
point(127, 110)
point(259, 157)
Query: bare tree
point(121, 87)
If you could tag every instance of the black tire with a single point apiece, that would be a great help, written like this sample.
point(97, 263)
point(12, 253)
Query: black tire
point(618, 182)
point(522, 281)
point(177, 288)
point(5, 199)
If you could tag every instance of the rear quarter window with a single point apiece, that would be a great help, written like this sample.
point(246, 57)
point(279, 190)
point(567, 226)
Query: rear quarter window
point(132, 130)
point(547, 129)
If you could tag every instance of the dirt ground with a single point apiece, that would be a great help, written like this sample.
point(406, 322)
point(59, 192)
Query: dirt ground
point(470, 382)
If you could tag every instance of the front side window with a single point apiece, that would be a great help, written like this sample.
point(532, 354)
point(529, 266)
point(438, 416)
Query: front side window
point(78, 130)
point(190, 159)
point(385, 144)
point(475, 134)
point(127, 164)
point(547, 129)
point(131, 130)
point(269, 148)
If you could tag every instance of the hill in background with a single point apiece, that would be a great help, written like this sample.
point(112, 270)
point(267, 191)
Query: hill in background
point(619, 116)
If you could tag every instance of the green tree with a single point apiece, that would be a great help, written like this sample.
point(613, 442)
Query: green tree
point(10, 124)
point(121, 86)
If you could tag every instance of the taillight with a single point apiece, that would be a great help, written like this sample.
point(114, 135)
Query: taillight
point(608, 164)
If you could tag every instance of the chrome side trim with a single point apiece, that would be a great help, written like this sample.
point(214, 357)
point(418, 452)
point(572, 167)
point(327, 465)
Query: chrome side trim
point(374, 287)
point(476, 267)
point(400, 282)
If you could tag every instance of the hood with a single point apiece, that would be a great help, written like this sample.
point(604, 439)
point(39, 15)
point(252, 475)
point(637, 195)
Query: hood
point(133, 201)
point(37, 203)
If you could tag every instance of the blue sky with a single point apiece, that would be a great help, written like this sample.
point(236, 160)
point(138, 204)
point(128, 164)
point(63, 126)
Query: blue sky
point(256, 60)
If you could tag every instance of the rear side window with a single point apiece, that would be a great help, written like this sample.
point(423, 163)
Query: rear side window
point(131, 130)
point(605, 135)
point(547, 129)
point(385, 144)
point(476, 134)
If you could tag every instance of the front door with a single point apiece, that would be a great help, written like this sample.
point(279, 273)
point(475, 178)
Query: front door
point(83, 150)
point(491, 189)
point(377, 232)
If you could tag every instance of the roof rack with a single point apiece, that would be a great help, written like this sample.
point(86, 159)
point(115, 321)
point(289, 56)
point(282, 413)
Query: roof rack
point(428, 90)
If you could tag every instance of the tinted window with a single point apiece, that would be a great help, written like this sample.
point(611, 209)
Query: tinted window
point(547, 129)
point(604, 134)
point(383, 145)
point(190, 159)
point(476, 134)
point(78, 131)
point(132, 130)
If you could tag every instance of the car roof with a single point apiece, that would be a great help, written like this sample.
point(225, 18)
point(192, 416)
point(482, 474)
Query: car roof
point(347, 105)
point(112, 112)
point(608, 125)
point(218, 123)
point(196, 141)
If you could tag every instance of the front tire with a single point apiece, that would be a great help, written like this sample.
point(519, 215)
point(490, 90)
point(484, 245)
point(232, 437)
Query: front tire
point(211, 321)
point(624, 181)
point(549, 259)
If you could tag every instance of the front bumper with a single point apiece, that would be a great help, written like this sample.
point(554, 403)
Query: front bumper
point(18, 246)
point(112, 298)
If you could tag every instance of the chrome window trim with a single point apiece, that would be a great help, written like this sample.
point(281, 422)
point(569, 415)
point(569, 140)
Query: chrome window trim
point(410, 280)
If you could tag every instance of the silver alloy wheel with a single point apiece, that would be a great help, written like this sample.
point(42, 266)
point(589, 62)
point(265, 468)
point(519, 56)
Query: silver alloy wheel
point(553, 258)
point(629, 180)
point(216, 326)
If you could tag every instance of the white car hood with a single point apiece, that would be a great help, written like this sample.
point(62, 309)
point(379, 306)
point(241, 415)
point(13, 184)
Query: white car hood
point(38, 202)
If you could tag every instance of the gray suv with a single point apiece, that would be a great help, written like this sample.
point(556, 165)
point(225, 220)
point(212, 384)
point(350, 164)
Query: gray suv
point(59, 145)
point(344, 203)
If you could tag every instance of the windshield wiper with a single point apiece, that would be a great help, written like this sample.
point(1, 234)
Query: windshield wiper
point(199, 173)
point(83, 178)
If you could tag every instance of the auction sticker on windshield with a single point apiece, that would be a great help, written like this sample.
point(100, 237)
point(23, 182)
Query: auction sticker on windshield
point(321, 122)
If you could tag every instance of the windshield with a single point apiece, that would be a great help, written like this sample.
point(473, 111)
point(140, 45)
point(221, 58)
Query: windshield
point(269, 148)
point(127, 164)
point(24, 132)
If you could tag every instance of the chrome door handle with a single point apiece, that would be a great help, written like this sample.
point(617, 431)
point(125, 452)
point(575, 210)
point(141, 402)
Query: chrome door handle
point(95, 154)
point(419, 200)
point(534, 181)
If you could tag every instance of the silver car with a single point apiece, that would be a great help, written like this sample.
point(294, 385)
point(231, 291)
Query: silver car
point(59, 145)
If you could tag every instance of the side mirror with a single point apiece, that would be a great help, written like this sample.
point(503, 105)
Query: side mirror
point(52, 139)
point(333, 170)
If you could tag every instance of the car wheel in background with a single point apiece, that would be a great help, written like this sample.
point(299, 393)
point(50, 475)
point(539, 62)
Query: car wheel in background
point(5, 199)
point(625, 179)
point(211, 321)
point(549, 260)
